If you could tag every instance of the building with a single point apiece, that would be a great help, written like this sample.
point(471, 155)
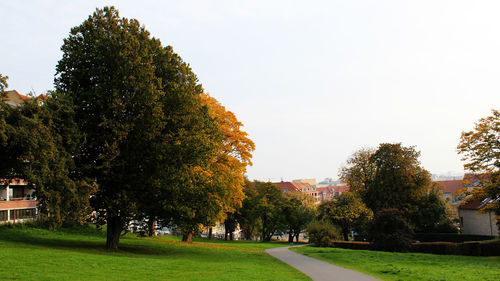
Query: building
point(474, 222)
point(17, 202)
point(287, 186)
point(449, 189)
point(13, 98)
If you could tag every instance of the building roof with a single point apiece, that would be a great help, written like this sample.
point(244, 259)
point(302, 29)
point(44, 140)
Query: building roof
point(450, 186)
point(287, 186)
point(476, 204)
point(14, 98)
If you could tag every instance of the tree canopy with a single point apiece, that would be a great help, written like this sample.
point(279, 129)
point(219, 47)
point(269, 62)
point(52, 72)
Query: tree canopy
point(347, 211)
point(480, 149)
point(147, 138)
point(392, 177)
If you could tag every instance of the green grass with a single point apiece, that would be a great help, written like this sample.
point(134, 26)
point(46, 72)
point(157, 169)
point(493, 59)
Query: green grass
point(409, 266)
point(28, 253)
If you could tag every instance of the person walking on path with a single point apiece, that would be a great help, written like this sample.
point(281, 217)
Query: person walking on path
point(316, 269)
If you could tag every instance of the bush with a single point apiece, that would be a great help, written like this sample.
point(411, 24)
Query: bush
point(391, 232)
point(323, 234)
point(450, 237)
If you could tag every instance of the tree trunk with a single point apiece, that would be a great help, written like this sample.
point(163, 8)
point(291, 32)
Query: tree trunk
point(231, 236)
point(297, 237)
point(153, 230)
point(346, 234)
point(210, 233)
point(187, 237)
point(290, 236)
point(152, 227)
point(114, 230)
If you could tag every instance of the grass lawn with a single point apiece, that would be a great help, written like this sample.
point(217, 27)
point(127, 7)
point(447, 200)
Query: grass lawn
point(409, 266)
point(79, 254)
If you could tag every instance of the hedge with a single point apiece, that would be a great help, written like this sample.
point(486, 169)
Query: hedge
point(472, 248)
point(450, 237)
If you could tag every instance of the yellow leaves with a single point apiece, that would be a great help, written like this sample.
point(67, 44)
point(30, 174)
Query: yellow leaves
point(235, 151)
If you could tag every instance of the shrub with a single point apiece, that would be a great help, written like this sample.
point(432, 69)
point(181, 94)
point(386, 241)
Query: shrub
point(323, 234)
point(391, 232)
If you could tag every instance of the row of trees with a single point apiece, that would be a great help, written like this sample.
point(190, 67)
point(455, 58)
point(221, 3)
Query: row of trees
point(266, 211)
point(128, 133)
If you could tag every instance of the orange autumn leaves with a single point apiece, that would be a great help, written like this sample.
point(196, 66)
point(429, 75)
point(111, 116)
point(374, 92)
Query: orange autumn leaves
point(234, 154)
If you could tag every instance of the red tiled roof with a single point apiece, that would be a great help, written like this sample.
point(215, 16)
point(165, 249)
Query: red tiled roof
point(289, 186)
point(450, 186)
point(23, 96)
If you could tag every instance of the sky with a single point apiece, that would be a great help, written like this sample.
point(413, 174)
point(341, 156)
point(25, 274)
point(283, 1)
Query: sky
point(312, 81)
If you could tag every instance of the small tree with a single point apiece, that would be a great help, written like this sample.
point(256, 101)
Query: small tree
point(347, 211)
point(391, 232)
point(248, 215)
point(299, 211)
point(323, 234)
point(270, 209)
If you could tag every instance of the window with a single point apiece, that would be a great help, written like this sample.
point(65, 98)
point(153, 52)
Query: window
point(22, 214)
point(17, 191)
point(3, 215)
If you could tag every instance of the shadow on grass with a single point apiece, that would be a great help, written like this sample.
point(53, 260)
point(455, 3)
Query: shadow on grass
point(88, 240)
point(74, 239)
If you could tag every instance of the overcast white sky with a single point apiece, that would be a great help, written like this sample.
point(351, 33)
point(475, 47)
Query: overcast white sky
point(312, 81)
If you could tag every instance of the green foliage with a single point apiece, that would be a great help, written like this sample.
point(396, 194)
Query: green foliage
point(323, 234)
point(399, 180)
point(147, 138)
point(432, 216)
point(390, 231)
point(3, 83)
point(391, 177)
point(473, 248)
point(270, 208)
point(248, 216)
point(38, 145)
point(348, 211)
point(299, 211)
point(359, 170)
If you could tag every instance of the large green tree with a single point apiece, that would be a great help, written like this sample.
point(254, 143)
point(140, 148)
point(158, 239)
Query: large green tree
point(392, 177)
point(146, 136)
point(481, 151)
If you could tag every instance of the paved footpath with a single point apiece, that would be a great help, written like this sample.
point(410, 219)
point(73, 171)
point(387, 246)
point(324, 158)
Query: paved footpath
point(316, 269)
